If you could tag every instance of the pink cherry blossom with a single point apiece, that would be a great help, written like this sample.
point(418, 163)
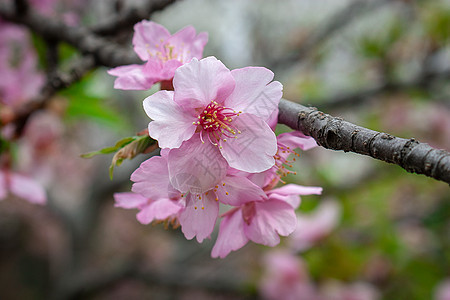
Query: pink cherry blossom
point(286, 144)
point(313, 227)
point(213, 106)
point(162, 52)
point(18, 64)
point(21, 186)
point(196, 211)
point(286, 277)
point(199, 217)
point(162, 209)
point(260, 221)
point(152, 194)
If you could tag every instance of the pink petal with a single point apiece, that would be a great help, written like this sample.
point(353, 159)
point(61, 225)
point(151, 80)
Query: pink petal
point(196, 167)
point(27, 188)
point(148, 38)
point(290, 193)
point(168, 70)
point(240, 191)
point(187, 45)
point(231, 235)
point(199, 217)
point(293, 200)
point(253, 149)
point(158, 210)
point(254, 93)
point(199, 82)
point(272, 218)
point(129, 200)
point(295, 189)
point(151, 186)
point(170, 125)
point(312, 227)
point(3, 187)
point(296, 139)
point(133, 77)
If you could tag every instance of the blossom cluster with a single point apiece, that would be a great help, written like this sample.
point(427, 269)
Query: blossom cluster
point(219, 152)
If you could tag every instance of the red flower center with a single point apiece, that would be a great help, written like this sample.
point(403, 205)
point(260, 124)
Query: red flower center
point(216, 121)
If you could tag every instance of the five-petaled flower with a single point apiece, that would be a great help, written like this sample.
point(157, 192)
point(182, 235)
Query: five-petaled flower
point(162, 52)
point(214, 108)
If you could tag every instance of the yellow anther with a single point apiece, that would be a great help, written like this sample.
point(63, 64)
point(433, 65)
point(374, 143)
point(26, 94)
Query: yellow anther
point(223, 184)
point(226, 193)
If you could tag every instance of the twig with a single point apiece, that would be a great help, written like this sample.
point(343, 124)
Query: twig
point(129, 17)
point(422, 81)
point(336, 22)
point(56, 82)
point(337, 134)
point(105, 52)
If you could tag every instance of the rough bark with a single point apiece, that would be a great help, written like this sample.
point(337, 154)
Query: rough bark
point(336, 134)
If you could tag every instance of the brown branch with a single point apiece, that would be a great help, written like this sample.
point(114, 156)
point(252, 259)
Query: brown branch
point(129, 17)
point(336, 134)
point(330, 132)
point(105, 52)
point(422, 81)
point(56, 82)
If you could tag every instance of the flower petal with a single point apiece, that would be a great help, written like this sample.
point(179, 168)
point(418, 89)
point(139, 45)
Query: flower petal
point(133, 77)
point(272, 218)
point(295, 189)
point(296, 139)
point(231, 235)
point(253, 149)
point(254, 92)
point(148, 38)
point(170, 125)
point(187, 45)
point(158, 210)
point(199, 82)
point(237, 191)
point(129, 200)
point(196, 167)
point(27, 188)
point(199, 216)
point(152, 186)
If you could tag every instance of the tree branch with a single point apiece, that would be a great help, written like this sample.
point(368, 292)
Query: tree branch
point(329, 132)
point(129, 17)
point(337, 134)
point(105, 52)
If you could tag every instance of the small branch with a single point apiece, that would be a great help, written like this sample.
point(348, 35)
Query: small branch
point(129, 17)
point(337, 134)
point(21, 7)
point(105, 52)
point(55, 83)
point(349, 100)
point(336, 22)
point(52, 56)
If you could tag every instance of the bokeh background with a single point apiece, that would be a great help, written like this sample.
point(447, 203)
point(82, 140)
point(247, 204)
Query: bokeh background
point(384, 65)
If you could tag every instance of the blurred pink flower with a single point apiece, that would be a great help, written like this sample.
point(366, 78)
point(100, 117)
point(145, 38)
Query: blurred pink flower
point(442, 290)
point(162, 52)
point(315, 226)
point(285, 277)
point(18, 64)
point(21, 186)
point(224, 108)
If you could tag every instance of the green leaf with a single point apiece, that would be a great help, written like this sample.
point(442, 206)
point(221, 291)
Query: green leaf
point(119, 145)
